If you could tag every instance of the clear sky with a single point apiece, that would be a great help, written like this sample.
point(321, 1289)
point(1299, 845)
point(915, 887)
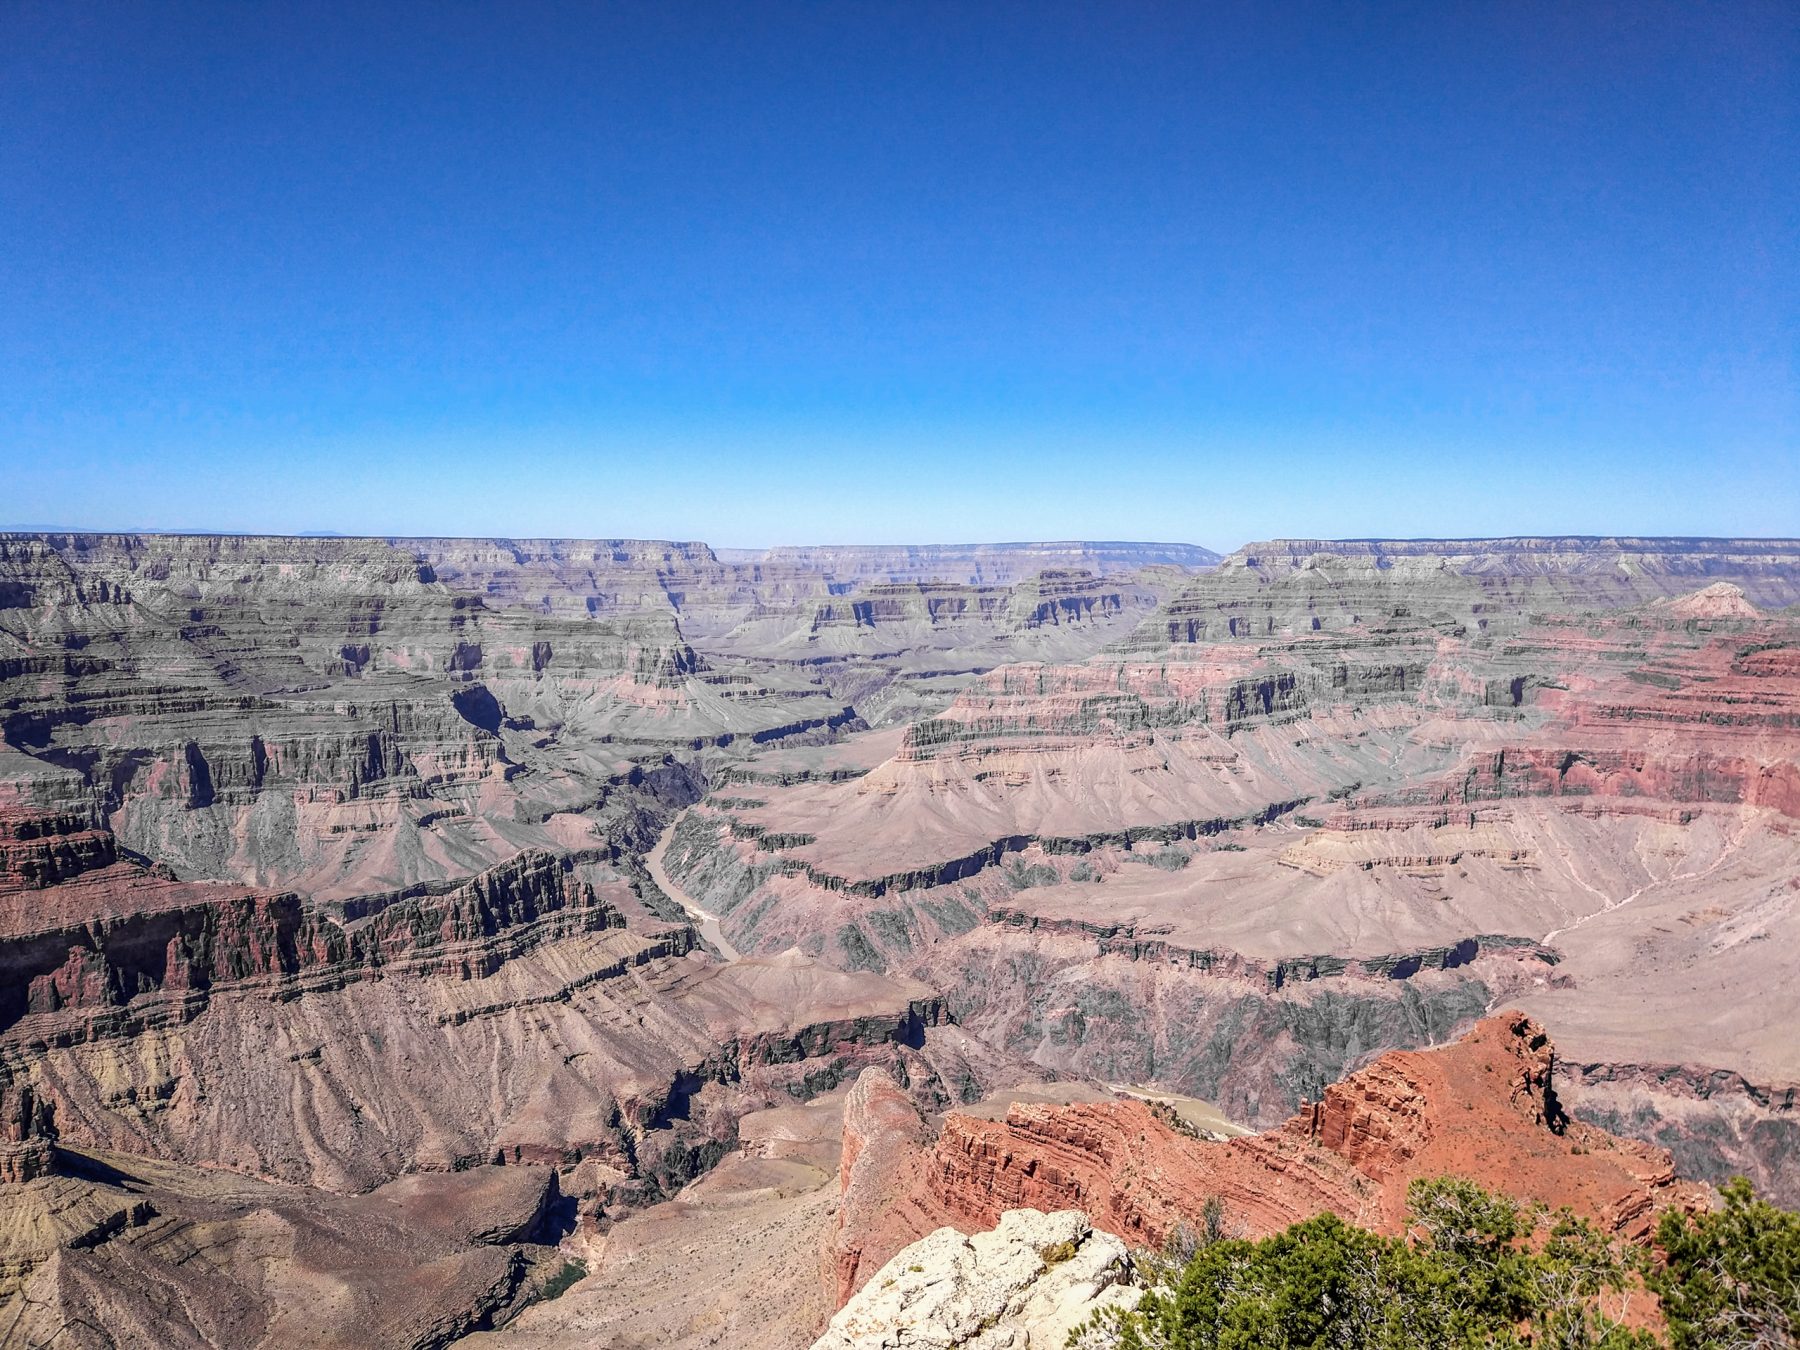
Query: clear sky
point(823, 272)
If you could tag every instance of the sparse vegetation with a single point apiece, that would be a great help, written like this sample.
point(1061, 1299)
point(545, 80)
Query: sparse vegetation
point(1168, 1115)
point(571, 1273)
point(1474, 1270)
point(1022, 876)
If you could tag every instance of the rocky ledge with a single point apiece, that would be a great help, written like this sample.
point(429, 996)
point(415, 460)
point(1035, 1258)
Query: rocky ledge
point(1026, 1283)
point(1484, 1108)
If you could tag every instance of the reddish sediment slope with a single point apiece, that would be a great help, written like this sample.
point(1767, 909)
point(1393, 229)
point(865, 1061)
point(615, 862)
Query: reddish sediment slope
point(1484, 1108)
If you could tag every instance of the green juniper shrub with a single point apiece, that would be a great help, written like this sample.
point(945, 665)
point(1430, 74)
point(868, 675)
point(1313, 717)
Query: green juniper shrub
point(1731, 1279)
point(1474, 1270)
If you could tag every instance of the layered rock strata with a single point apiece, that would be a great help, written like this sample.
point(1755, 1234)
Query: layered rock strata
point(1485, 1108)
point(115, 1250)
point(156, 1012)
point(322, 860)
point(1352, 802)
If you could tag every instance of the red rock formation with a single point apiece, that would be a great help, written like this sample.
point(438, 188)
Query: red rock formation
point(1483, 1108)
point(885, 1202)
point(83, 931)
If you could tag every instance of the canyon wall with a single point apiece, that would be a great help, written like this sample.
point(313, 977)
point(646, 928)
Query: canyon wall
point(328, 864)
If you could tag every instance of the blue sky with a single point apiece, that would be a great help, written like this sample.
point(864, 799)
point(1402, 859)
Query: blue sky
point(879, 272)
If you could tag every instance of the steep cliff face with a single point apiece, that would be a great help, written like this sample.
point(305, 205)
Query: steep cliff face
point(1716, 1123)
point(1484, 1108)
point(27, 1134)
point(1374, 795)
point(90, 940)
point(882, 1202)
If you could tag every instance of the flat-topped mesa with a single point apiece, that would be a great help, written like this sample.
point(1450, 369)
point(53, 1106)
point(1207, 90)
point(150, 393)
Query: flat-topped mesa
point(1060, 596)
point(485, 558)
point(1051, 598)
point(200, 565)
point(932, 603)
point(1609, 570)
point(974, 564)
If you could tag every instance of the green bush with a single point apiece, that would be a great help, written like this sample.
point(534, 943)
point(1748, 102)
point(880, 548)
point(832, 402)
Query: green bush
point(1731, 1278)
point(570, 1274)
point(1474, 1271)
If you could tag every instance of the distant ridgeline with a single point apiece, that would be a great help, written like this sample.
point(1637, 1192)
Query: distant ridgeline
point(1612, 570)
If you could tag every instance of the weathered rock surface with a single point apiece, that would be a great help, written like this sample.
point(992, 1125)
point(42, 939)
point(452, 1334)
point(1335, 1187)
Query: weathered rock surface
point(1485, 1108)
point(1027, 1282)
point(881, 1203)
point(114, 1250)
point(323, 861)
point(1378, 793)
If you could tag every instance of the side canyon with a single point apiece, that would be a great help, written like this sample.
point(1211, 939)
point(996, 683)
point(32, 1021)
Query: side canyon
point(553, 942)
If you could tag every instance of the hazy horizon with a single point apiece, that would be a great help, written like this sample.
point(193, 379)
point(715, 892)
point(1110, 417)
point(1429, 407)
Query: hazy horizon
point(1221, 549)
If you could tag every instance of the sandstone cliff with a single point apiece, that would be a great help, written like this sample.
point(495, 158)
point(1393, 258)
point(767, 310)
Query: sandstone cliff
point(1485, 1108)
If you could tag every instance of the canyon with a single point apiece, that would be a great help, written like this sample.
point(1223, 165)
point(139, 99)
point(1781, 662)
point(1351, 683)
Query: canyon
point(568, 942)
